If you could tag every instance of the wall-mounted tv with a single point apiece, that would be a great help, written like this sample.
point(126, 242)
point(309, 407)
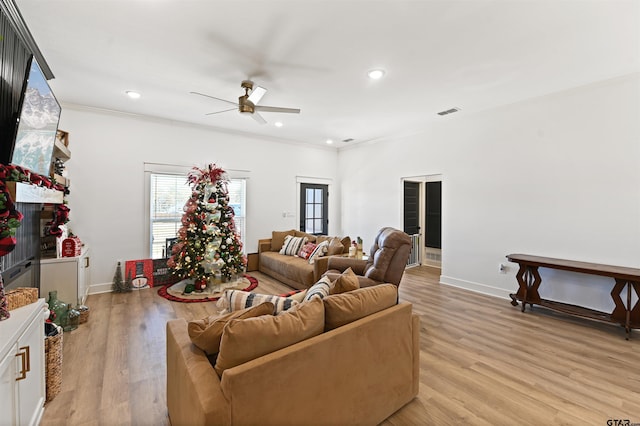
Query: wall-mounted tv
point(37, 123)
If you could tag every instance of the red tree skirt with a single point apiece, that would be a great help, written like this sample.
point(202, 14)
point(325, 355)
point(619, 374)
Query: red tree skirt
point(164, 292)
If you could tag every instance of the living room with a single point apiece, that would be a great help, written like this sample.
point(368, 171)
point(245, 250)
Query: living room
point(549, 171)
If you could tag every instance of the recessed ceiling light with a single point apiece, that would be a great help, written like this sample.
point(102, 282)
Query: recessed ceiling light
point(132, 94)
point(278, 124)
point(376, 74)
point(329, 141)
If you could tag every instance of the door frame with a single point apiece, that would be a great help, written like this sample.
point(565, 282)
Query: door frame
point(422, 179)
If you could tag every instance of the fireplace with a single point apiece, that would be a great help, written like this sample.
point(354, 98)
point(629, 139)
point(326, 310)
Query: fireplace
point(21, 267)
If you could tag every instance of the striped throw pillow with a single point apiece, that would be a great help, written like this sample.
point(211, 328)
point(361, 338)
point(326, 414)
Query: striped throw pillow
point(292, 245)
point(319, 289)
point(307, 250)
point(320, 250)
point(235, 300)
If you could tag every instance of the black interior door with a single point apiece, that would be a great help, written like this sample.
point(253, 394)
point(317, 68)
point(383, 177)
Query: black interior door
point(433, 215)
point(411, 207)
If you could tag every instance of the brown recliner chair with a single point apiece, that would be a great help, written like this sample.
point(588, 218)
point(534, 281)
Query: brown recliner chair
point(386, 263)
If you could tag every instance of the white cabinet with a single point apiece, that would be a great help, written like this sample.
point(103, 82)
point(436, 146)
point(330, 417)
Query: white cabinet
point(22, 375)
point(69, 276)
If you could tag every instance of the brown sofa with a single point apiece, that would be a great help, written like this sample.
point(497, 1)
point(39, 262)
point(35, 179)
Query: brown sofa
point(290, 270)
point(358, 373)
point(386, 263)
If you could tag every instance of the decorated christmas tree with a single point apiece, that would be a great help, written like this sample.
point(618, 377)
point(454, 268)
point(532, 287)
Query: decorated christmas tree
point(208, 247)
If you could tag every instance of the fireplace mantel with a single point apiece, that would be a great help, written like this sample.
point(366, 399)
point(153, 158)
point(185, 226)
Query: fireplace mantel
point(26, 193)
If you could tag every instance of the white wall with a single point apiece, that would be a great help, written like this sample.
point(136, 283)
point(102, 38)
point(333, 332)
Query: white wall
point(556, 176)
point(107, 197)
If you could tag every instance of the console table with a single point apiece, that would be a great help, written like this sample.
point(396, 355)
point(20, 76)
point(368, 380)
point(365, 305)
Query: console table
point(625, 278)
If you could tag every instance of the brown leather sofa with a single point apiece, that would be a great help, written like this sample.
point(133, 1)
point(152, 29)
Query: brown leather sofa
point(386, 263)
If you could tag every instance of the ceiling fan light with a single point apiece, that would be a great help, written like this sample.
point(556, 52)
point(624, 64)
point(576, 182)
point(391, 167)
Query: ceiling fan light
point(376, 74)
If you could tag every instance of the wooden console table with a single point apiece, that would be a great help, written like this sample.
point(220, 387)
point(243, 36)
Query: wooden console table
point(625, 279)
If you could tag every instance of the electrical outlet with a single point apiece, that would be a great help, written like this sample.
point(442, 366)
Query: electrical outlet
point(502, 268)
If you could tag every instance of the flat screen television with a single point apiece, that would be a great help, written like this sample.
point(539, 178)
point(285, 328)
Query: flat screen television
point(37, 123)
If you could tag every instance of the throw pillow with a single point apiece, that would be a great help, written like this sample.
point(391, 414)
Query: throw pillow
point(235, 300)
point(307, 250)
point(347, 281)
point(335, 247)
point(320, 250)
point(251, 338)
point(292, 245)
point(277, 239)
point(341, 309)
point(319, 289)
point(207, 332)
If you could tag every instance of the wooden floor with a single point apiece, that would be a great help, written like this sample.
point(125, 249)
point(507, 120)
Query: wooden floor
point(483, 362)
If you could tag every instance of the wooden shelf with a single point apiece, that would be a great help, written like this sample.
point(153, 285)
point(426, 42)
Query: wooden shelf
point(60, 151)
point(26, 193)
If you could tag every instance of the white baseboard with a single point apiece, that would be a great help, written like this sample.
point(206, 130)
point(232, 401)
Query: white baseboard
point(475, 287)
point(100, 288)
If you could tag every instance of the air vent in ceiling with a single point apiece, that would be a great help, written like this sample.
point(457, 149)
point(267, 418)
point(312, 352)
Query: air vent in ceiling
point(449, 111)
point(347, 140)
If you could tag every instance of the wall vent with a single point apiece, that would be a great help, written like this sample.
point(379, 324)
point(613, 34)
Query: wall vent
point(449, 111)
point(347, 140)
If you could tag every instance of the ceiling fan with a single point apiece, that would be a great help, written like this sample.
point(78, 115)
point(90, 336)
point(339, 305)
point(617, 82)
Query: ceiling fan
point(248, 103)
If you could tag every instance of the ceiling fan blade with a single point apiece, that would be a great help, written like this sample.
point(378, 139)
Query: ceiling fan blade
point(256, 94)
point(213, 97)
point(277, 109)
point(258, 118)
point(218, 112)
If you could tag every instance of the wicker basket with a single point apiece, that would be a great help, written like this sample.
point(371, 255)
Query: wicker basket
point(20, 297)
point(53, 365)
point(84, 314)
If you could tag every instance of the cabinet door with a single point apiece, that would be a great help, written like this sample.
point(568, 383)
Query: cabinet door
point(31, 389)
point(84, 274)
point(8, 402)
point(60, 275)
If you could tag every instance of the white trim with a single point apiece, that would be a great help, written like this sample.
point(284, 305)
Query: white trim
point(100, 288)
point(316, 180)
point(475, 287)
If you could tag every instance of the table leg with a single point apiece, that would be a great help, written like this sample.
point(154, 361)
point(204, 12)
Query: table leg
point(528, 282)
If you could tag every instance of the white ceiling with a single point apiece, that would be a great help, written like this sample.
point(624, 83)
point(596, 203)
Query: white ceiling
point(314, 55)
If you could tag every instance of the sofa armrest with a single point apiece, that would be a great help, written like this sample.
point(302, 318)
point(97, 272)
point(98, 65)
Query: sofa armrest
point(320, 266)
point(341, 263)
point(194, 395)
point(264, 245)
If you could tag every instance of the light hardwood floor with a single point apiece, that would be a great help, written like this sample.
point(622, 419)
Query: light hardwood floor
point(483, 362)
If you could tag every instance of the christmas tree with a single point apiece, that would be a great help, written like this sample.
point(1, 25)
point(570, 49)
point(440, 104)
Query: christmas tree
point(208, 246)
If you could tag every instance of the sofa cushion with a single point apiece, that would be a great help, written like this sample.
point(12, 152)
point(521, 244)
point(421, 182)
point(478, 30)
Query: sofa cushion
point(292, 245)
point(347, 281)
point(319, 289)
point(341, 309)
point(247, 339)
point(310, 237)
point(277, 238)
point(307, 250)
point(294, 268)
point(235, 300)
point(335, 247)
point(319, 251)
point(207, 332)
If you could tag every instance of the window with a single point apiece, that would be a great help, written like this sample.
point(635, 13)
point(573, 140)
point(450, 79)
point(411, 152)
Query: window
point(314, 208)
point(169, 193)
